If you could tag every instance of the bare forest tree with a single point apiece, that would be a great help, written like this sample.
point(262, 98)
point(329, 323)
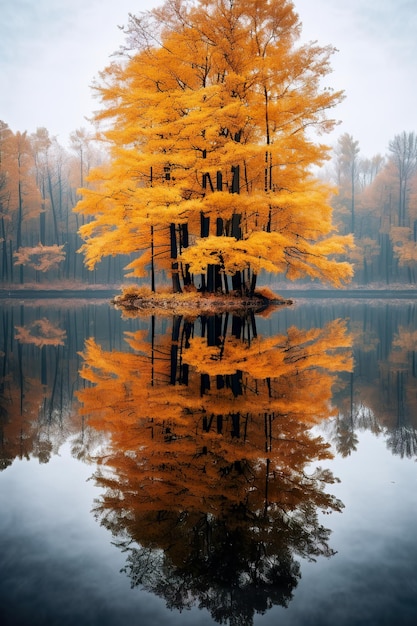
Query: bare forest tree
point(403, 150)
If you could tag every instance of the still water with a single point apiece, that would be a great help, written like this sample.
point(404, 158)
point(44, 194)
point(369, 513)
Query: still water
point(163, 471)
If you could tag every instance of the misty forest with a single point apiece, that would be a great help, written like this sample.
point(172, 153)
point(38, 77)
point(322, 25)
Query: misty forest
point(206, 169)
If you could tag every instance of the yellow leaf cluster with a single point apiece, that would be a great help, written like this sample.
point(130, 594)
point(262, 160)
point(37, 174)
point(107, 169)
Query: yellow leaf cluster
point(41, 258)
point(208, 125)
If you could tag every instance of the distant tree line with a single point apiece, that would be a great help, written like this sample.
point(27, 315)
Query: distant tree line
point(377, 202)
point(39, 179)
point(39, 237)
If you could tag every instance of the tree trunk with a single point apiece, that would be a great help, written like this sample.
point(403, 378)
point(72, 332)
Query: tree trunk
point(176, 285)
point(176, 325)
point(4, 270)
point(184, 243)
point(235, 179)
point(237, 283)
point(211, 283)
point(152, 261)
point(253, 284)
point(19, 227)
point(53, 208)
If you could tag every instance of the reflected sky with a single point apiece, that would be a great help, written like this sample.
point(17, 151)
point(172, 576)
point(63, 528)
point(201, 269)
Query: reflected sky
point(371, 580)
point(63, 568)
point(58, 565)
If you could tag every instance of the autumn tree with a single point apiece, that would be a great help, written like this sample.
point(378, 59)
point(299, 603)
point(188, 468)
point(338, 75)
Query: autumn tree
point(403, 150)
point(20, 198)
point(48, 162)
point(5, 134)
point(208, 118)
point(395, 197)
point(29, 220)
point(403, 232)
point(347, 163)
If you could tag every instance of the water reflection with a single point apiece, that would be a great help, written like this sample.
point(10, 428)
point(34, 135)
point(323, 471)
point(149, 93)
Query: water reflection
point(207, 473)
point(39, 364)
point(204, 437)
point(32, 391)
point(380, 396)
point(40, 359)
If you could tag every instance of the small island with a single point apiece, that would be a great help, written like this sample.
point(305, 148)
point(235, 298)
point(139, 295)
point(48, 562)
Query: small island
point(139, 300)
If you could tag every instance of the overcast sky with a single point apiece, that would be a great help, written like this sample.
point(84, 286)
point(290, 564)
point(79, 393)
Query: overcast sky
point(51, 50)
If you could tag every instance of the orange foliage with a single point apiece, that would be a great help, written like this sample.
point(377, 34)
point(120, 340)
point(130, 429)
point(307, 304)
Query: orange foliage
point(181, 411)
point(209, 440)
point(41, 258)
point(41, 333)
point(210, 154)
point(20, 198)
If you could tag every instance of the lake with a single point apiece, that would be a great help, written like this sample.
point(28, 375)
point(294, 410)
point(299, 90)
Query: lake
point(223, 470)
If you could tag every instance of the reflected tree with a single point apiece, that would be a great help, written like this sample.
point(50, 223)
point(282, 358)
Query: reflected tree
point(28, 393)
point(209, 478)
point(380, 396)
point(38, 373)
point(399, 381)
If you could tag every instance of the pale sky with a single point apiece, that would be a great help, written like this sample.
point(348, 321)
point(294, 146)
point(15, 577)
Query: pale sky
point(51, 51)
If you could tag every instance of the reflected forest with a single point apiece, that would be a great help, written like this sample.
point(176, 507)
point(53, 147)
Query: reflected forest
point(207, 435)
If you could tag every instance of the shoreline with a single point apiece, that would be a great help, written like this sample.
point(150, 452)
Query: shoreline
point(284, 295)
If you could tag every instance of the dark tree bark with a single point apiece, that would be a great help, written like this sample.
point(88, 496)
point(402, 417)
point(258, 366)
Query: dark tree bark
point(176, 285)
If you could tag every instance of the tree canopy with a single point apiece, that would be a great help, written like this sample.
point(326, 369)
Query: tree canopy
point(208, 116)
